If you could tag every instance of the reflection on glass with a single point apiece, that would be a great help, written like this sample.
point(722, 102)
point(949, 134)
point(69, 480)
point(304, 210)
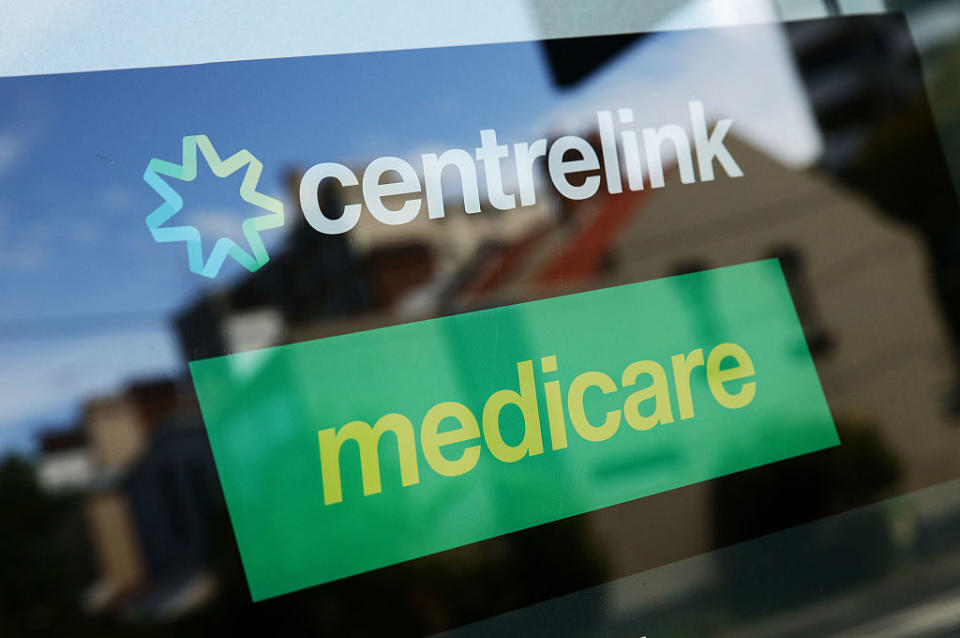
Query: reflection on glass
point(115, 519)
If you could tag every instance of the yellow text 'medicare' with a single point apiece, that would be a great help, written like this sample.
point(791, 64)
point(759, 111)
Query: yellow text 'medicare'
point(595, 428)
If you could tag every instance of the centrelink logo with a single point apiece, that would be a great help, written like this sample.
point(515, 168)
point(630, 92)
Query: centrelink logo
point(173, 203)
point(573, 164)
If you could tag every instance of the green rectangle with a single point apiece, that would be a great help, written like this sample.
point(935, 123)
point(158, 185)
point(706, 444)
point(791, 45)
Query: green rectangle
point(265, 410)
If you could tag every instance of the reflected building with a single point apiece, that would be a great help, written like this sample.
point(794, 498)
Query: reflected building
point(148, 489)
point(65, 464)
point(858, 279)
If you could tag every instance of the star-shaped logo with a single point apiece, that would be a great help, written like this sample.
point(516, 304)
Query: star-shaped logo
point(173, 203)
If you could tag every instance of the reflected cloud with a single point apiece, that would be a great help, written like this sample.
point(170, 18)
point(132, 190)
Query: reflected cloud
point(13, 145)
